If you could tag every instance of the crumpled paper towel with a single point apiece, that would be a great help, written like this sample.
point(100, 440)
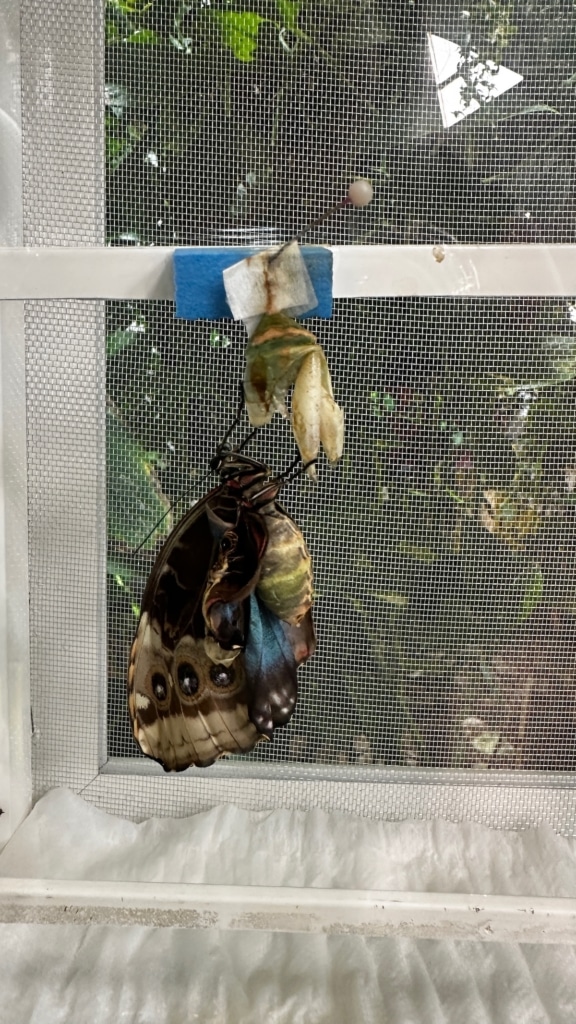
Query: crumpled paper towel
point(94, 975)
point(66, 837)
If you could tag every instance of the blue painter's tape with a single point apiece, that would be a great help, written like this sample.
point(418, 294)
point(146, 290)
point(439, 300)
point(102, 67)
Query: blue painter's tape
point(199, 285)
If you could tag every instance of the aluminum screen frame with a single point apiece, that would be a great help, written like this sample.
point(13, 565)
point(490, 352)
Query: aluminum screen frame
point(66, 726)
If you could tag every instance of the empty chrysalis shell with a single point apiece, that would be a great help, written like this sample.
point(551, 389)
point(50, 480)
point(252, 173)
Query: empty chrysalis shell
point(316, 419)
point(274, 355)
point(282, 352)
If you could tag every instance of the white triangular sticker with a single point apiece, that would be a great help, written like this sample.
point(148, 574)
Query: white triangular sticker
point(446, 57)
point(461, 96)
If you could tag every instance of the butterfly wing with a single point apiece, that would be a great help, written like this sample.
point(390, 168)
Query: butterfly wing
point(273, 653)
point(233, 575)
point(187, 688)
point(186, 709)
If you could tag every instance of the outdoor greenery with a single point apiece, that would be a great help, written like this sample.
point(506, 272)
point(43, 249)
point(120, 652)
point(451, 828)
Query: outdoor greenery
point(226, 116)
point(444, 543)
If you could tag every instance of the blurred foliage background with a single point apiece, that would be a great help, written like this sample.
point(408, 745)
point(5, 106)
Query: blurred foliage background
point(246, 116)
point(444, 543)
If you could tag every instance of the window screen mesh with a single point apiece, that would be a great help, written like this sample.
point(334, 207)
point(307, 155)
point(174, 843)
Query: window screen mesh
point(443, 543)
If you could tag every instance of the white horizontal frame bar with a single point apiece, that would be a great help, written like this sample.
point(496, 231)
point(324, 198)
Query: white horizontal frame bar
point(229, 768)
point(280, 909)
point(359, 271)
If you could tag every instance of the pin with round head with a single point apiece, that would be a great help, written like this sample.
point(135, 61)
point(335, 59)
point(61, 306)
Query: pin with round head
point(359, 194)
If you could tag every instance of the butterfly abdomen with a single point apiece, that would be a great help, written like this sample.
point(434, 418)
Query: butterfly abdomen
point(285, 584)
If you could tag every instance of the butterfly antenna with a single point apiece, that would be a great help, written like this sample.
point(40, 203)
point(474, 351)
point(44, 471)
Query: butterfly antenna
point(247, 439)
point(235, 422)
point(155, 527)
point(295, 469)
point(214, 463)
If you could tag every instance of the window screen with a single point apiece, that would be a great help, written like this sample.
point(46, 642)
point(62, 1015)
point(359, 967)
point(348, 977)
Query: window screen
point(443, 541)
point(231, 122)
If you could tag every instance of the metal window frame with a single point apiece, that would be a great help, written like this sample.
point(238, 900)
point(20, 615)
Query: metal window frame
point(96, 273)
point(15, 748)
point(108, 273)
point(467, 916)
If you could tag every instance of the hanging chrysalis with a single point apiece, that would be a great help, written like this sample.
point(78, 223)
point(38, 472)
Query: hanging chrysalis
point(281, 352)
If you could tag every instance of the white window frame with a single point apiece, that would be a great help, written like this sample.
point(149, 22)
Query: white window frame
point(99, 273)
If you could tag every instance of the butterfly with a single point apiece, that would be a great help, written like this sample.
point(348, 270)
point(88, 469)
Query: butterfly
point(225, 622)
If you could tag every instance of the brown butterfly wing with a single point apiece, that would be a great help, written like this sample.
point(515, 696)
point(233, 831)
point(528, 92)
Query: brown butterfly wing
point(186, 710)
point(187, 693)
point(233, 575)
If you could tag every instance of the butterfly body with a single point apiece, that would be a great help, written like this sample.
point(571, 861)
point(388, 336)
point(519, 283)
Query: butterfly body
point(225, 624)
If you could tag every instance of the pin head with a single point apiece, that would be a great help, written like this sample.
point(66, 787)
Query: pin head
point(360, 192)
